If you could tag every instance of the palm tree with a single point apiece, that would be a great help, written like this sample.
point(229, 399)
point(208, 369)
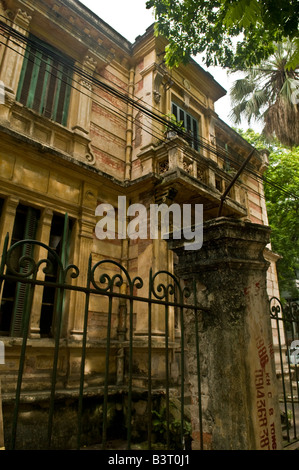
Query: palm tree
point(270, 94)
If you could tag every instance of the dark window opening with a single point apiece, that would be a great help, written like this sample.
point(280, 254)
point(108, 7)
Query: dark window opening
point(218, 184)
point(189, 123)
point(14, 294)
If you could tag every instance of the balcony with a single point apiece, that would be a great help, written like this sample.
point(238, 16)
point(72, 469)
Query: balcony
point(192, 177)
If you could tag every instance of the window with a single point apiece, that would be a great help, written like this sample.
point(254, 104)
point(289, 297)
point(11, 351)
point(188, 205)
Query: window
point(45, 81)
point(189, 123)
point(14, 294)
point(59, 242)
point(218, 184)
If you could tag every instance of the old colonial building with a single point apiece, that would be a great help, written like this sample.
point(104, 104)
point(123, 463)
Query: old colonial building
point(83, 122)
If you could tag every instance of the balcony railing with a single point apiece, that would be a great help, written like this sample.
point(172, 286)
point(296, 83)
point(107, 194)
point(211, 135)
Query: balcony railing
point(205, 173)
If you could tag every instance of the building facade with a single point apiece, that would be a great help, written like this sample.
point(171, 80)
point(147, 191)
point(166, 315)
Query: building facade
point(83, 122)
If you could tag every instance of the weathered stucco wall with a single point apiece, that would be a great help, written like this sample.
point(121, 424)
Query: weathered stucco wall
point(239, 391)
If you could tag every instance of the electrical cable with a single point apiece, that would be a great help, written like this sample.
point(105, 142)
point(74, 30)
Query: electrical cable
point(126, 98)
point(74, 68)
point(116, 111)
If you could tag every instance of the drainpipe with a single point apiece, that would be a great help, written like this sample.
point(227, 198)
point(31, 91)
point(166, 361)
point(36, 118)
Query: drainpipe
point(231, 184)
point(122, 316)
point(129, 136)
point(122, 309)
point(1, 422)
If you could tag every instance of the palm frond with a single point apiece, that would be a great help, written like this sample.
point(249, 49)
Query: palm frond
point(241, 89)
point(290, 89)
point(293, 61)
point(237, 112)
point(270, 92)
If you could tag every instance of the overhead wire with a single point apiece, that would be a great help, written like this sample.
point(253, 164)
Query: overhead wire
point(124, 118)
point(116, 110)
point(135, 104)
point(123, 96)
point(20, 37)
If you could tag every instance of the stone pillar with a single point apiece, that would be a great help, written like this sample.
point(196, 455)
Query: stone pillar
point(80, 112)
point(43, 235)
point(239, 390)
point(84, 245)
point(13, 60)
point(1, 421)
point(8, 219)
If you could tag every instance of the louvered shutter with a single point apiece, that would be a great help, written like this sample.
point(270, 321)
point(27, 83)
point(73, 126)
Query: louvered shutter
point(45, 82)
point(21, 288)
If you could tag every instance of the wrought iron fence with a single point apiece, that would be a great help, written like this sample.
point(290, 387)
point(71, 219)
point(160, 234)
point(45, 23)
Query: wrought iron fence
point(164, 290)
point(285, 329)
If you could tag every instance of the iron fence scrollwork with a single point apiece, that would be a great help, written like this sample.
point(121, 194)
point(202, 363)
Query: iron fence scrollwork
point(166, 293)
point(285, 318)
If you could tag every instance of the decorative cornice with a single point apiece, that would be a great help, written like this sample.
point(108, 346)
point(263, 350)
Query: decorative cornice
point(22, 18)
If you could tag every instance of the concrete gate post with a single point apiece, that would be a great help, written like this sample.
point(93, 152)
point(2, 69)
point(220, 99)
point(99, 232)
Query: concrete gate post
point(238, 380)
point(1, 421)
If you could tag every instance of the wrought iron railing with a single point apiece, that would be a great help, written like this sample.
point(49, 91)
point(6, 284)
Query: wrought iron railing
point(285, 327)
point(164, 290)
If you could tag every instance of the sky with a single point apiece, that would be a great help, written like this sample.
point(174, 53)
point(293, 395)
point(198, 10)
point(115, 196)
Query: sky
point(130, 18)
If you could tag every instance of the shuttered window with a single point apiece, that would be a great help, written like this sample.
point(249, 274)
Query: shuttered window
point(14, 294)
point(14, 298)
point(189, 123)
point(45, 81)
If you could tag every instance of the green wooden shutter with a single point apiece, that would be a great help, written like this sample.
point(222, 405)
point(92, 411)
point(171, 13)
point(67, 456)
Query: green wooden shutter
point(189, 123)
point(25, 76)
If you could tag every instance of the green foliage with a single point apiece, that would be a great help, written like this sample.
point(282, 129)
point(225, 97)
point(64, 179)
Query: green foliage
point(268, 93)
point(174, 124)
point(160, 429)
point(281, 182)
point(229, 33)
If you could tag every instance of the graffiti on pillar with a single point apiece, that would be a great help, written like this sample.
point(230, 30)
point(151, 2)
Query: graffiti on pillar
point(264, 405)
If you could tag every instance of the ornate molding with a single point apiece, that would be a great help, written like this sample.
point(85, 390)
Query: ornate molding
point(161, 78)
point(90, 156)
point(22, 18)
point(89, 63)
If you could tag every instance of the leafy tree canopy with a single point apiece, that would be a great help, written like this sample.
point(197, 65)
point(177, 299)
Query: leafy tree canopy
point(281, 182)
point(229, 33)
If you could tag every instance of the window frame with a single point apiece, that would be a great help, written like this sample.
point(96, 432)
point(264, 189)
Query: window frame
point(15, 312)
point(190, 123)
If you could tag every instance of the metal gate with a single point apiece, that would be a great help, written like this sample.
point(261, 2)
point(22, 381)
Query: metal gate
point(110, 280)
point(285, 328)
